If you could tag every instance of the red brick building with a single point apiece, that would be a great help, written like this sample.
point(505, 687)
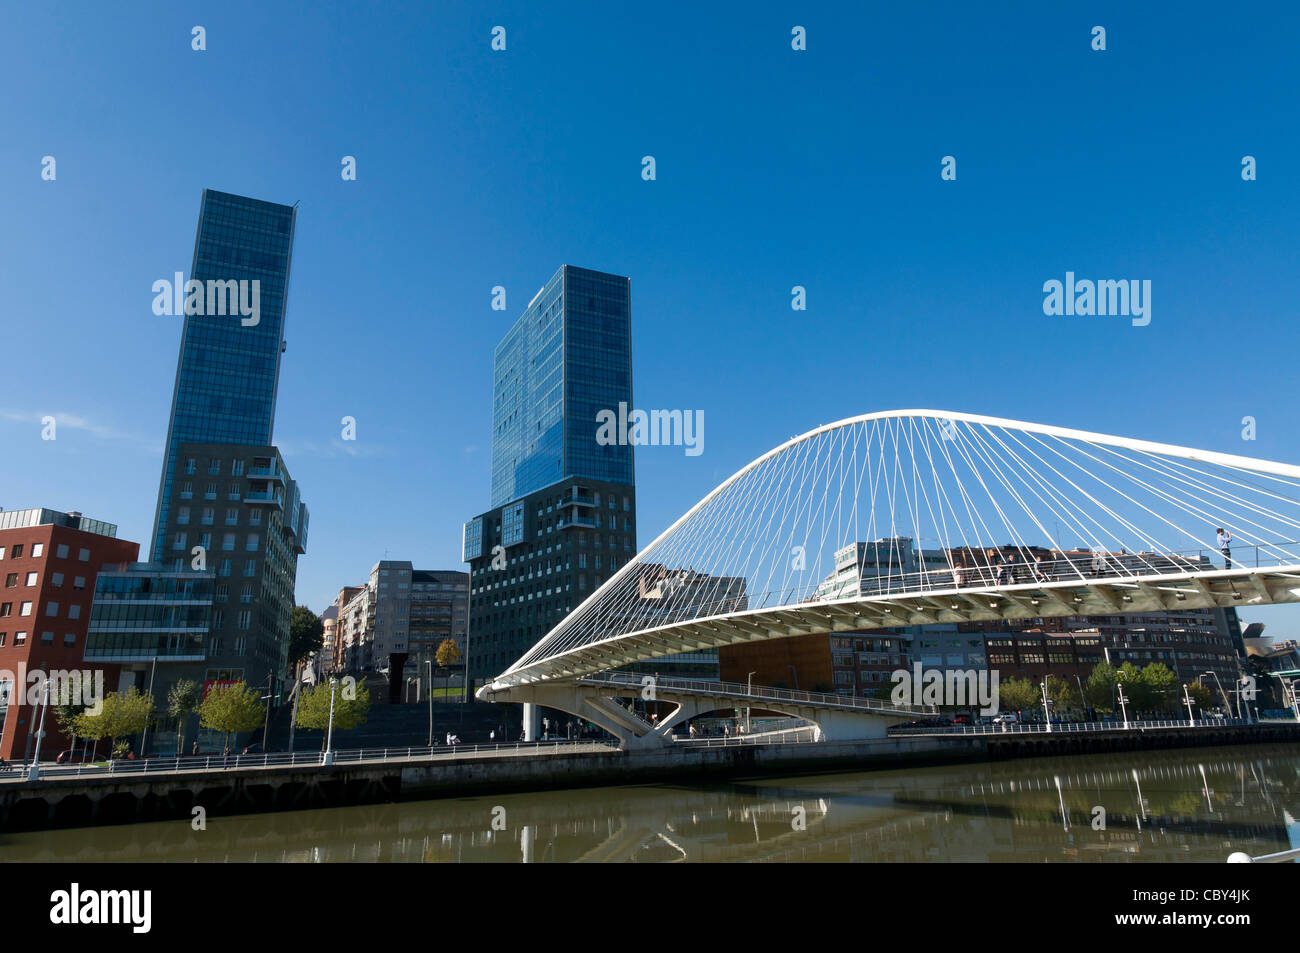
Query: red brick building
point(48, 564)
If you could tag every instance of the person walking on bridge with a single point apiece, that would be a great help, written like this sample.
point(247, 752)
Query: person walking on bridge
point(1225, 546)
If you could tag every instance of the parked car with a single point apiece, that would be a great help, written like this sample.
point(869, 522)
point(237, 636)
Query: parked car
point(71, 757)
point(1007, 718)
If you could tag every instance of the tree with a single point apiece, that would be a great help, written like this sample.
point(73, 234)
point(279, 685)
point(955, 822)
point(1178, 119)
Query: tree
point(306, 634)
point(1202, 697)
point(231, 709)
point(1063, 695)
point(1018, 694)
point(121, 715)
point(351, 707)
point(66, 716)
point(182, 699)
point(1101, 689)
point(447, 654)
point(1165, 691)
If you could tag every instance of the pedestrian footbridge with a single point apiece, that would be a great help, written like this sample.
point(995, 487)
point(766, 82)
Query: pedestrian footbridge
point(916, 517)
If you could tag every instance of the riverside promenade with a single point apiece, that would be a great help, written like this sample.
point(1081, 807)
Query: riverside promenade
point(162, 789)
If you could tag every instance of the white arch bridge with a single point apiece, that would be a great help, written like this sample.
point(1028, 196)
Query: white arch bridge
point(912, 517)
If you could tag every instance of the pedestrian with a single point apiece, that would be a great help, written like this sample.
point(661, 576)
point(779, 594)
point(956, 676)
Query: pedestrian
point(194, 749)
point(1225, 546)
point(492, 735)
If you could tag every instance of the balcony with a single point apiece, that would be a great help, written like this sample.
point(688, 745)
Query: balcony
point(576, 521)
point(266, 473)
point(265, 498)
point(578, 501)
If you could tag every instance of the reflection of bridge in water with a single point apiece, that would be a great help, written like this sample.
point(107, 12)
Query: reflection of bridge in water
point(1027, 521)
point(1183, 805)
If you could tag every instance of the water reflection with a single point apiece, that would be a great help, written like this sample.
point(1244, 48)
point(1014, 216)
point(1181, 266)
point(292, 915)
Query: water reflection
point(1162, 806)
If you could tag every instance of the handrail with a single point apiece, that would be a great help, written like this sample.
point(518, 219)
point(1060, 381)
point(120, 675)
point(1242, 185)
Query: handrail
point(759, 692)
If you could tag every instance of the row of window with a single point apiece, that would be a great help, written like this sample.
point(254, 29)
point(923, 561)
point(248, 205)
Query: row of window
point(251, 544)
point(47, 638)
point(61, 551)
point(51, 609)
point(209, 516)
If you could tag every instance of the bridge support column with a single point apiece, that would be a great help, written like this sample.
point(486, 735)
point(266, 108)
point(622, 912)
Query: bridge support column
point(532, 722)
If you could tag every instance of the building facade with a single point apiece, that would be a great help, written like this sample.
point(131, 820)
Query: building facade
point(49, 564)
point(563, 516)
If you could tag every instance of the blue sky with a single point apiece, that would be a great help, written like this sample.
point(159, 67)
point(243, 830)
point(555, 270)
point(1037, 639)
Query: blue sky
point(775, 168)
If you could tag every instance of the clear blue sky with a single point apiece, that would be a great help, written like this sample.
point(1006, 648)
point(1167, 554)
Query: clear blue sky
point(775, 168)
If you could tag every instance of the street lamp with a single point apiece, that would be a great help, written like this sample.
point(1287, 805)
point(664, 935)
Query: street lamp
point(1191, 721)
point(1123, 701)
point(1047, 712)
point(1226, 703)
point(749, 690)
point(429, 664)
point(329, 734)
point(34, 774)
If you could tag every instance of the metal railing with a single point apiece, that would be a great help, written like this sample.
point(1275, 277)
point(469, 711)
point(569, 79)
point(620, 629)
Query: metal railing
point(1039, 727)
point(219, 762)
point(754, 693)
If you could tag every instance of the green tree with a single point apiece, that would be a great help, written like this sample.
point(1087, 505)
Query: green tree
point(1135, 689)
point(1018, 694)
point(1165, 692)
point(231, 709)
point(182, 698)
point(1100, 688)
point(1063, 695)
point(306, 634)
point(1202, 697)
point(351, 706)
point(121, 715)
point(66, 716)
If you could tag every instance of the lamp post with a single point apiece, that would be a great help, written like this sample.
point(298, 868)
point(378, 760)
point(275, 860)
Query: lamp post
point(1191, 721)
point(1047, 711)
point(1226, 703)
point(34, 774)
point(428, 662)
point(145, 734)
point(749, 690)
point(266, 722)
point(1123, 703)
point(1295, 701)
point(329, 734)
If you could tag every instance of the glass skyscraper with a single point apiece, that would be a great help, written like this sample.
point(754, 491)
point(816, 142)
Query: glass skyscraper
point(568, 357)
point(563, 516)
point(228, 370)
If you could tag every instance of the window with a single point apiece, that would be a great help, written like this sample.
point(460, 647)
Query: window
point(179, 542)
point(218, 618)
point(246, 595)
point(250, 568)
point(61, 551)
point(31, 578)
point(183, 516)
point(227, 541)
point(245, 618)
point(221, 593)
point(232, 517)
point(70, 639)
point(2, 552)
point(225, 567)
point(18, 551)
point(52, 608)
point(38, 550)
point(4, 637)
point(74, 611)
point(6, 609)
point(20, 638)
point(209, 515)
point(78, 582)
point(83, 555)
point(234, 492)
point(255, 518)
point(210, 493)
point(214, 467)
point(237, 468)
point(25, 608)
point(253, 541)
point(189, 465)
point(187, 491)
point(47, 638)
point(11, 580)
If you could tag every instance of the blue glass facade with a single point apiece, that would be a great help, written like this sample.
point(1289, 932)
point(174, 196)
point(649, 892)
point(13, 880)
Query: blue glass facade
point(227, 374)
point(568, 357)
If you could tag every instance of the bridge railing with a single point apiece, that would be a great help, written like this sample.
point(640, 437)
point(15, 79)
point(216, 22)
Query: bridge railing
point(1004, 569)
point(754, 693)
